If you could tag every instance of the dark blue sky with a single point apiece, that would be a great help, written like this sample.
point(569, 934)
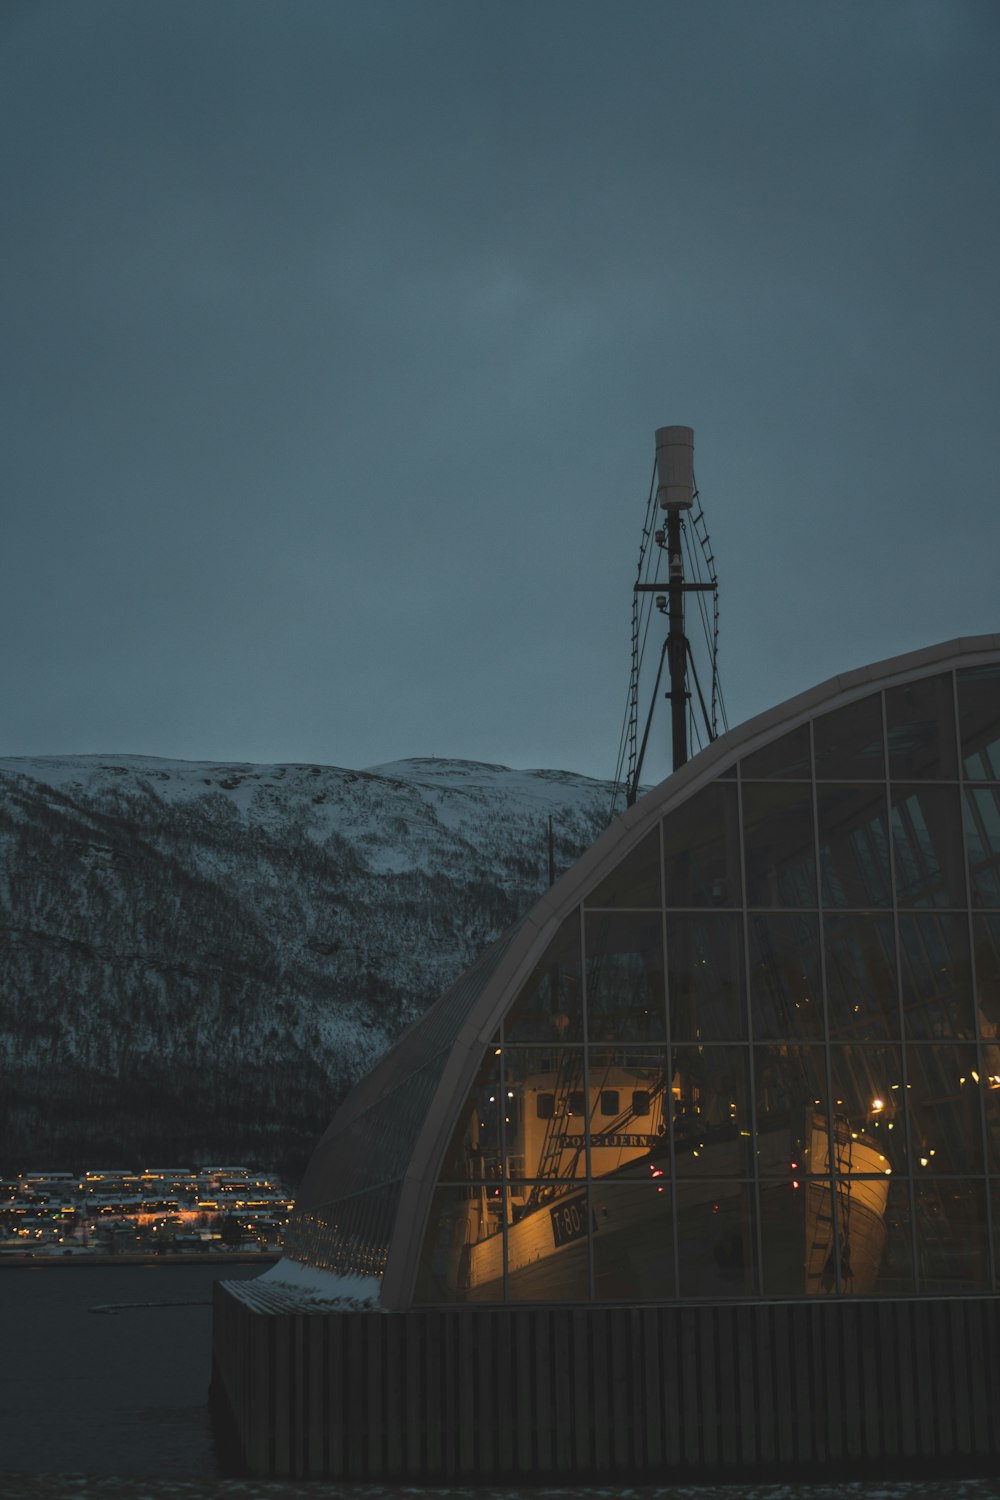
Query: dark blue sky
point(334, 337)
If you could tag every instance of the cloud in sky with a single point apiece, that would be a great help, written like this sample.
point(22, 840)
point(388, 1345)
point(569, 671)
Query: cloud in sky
point(334, 338)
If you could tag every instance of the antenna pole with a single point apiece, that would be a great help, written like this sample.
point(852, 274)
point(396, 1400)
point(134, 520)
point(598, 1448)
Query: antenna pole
point(677, 646)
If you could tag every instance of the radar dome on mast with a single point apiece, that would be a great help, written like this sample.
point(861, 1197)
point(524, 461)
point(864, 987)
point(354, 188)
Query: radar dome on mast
point(675, 467)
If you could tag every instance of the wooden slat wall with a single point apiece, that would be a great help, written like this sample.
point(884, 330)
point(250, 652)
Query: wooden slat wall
point(655, 1392)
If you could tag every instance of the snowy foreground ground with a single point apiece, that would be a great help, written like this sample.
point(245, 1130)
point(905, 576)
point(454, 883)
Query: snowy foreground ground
point(79, 1487)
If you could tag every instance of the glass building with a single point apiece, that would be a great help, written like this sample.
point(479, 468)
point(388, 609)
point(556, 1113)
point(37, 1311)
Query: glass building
point(746, 1048)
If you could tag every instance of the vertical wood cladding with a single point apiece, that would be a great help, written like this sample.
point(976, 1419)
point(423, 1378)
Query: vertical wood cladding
point(660, 1392)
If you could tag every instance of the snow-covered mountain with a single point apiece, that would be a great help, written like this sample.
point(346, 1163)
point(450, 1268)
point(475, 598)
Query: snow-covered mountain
point(196, 960)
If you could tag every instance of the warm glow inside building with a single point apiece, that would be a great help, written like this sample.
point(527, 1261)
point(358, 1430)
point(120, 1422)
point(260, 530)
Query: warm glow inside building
point(745, 1054)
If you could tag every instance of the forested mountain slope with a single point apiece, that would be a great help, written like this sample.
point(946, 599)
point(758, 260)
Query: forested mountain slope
point(197, 960)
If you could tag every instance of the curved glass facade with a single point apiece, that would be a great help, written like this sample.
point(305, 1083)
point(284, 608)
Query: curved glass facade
point(762, 1056)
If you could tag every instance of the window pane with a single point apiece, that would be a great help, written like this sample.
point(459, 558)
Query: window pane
point(548, 1246)
point(979, 720)
point(797, 1238)
point(550, 1007)
point(701, 849)
point(634, 1080)
point(952, 1254)
point(626, 989)
point(779, 846)
point(861, 977)
point(706, 977)
point(936, 975)
point(848, 742)
point(986, 936)
point(475, 1148)
point(920, 725)
point(633, 1240)
point(712, 1120)
point(715, 1239)
point(785, 988)
point(927, 846)
point(982, 843)
point(544, 1105)
point(791, 1112)
point(462, 1255)
point(785, 758)
point(896, 1277)
point(868, 1110)
point(854, 846)
point(943, 1095)
point(636, 881)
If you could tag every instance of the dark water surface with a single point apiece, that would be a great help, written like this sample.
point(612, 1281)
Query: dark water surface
point(108, 1393)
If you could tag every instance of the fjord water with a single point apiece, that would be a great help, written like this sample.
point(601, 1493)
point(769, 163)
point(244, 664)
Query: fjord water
point(122, 1392)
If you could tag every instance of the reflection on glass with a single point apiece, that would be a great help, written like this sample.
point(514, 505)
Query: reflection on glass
point(986, 938)
point(951, 1235)
point(982, 843)
point(920, 727)
point(701, 849)
point(626, 993)
point(545, 1100)
point(854, 846)
point(785, 989)
point(633, 1241)
point(848, 742)
point(462, 1255)
point(779, 845)
point(548, 1246)
point(705, 977)
point(474, 1152)
point(936, 975)
point(868, 1110)
point(786, 758)
point(944, 1093)
point(861, 977)
point(927, 846)
point(979, 722)
point(792, 1117)
point(715, 1239)
point(712, 1121)
point(896, 1277)
point(636, 881)
point(550, 1006)
point(798, 1239)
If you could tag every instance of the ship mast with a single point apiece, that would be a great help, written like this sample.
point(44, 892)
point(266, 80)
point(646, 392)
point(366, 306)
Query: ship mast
point(675, 494)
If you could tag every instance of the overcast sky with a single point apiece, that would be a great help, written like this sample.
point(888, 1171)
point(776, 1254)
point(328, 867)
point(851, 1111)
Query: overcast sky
point(334, 337)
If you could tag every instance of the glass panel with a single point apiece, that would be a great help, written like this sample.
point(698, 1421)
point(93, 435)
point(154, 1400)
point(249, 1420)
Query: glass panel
point(792, 1116)
point(869, 1124)
point(895, 1278)
point(462, 1255)
point(715, 1239)
point(636, 881)
point(701, 849)
point(633, 1241)
point(986, 936)
point(797, 1238)
point(952, 1253)
point(548, 1245)
point(783, 759)
point(848, 743)
point(943, 1094)
point(785, 989)
point(861, 977)
point(544, 1092)
point(982, 843)
point(473, 1153)
point(711, 1112)
point(979, 722)
point(706, 977)
point(779, 847)
point(920, 725)
point(936, 974)
point(626, 989)
point(854, 846)
point(631, 1136)
point(550, 1007)
point(927, 846)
